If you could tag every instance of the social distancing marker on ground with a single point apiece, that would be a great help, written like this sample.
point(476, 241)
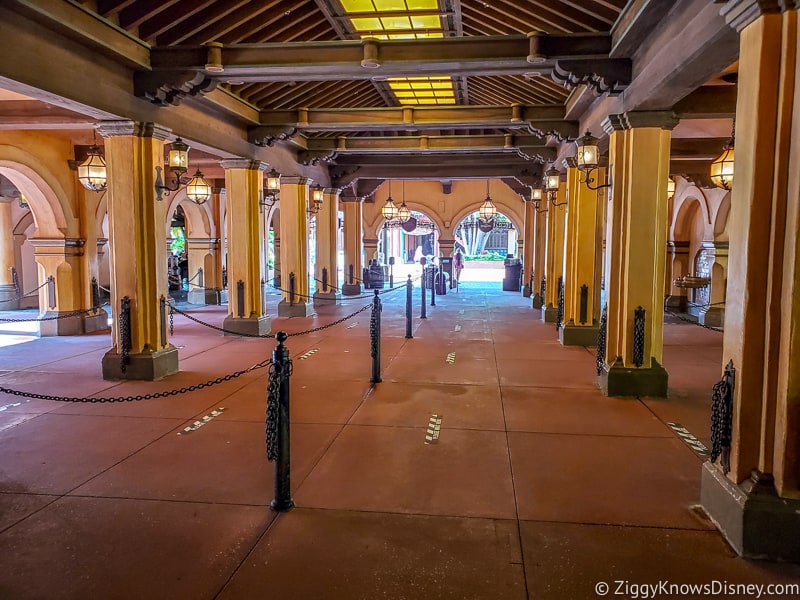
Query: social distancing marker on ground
point(461, 312)
point(7, 406)
point(352, 325)
point(309, 353)
point(690, 440)
point(457, 328)
point(434, 427)
point(451, 358)
point(198, 424)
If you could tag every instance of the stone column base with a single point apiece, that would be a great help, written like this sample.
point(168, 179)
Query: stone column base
point(578, 335)
point(751, 516)
point(617, 380)
point(250, 326)
point(351, 289)
point(676, 303)
point(144, 366)
point(526, 291)
point(549, 314)
point(8, 297)
point(713, 316)
point(538, 302)
point(74, 325)
point(298, 309)
point(326, 298)
point(204, 296)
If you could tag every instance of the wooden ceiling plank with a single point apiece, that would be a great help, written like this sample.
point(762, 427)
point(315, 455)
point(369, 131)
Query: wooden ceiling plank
point(276, 34)
point(538, 22)
point(140, 11)
point(596, 10)
point(191, 21)
point(290, 92)
point(513, 10)
point(576, 22)
point(109, 8)
point(215, 30)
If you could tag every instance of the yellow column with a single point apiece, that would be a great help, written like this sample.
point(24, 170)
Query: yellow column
point(327, 250)
point(580, 321)
point(294, 247)
point(8, 293)
point(244, 181)
point(528, 239)
point(763, 294)
point(539, 251)
point(137, 250)
point(639, 166)
point(213, 279)
point(554, 261)
point(352, 246)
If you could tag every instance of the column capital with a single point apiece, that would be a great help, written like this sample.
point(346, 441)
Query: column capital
point(351, 199)
point(663, 119)
point(741, 13)
point(570, 162)
point(330, 191)
point(296, 180)
point(109, 129)
point(243, 163)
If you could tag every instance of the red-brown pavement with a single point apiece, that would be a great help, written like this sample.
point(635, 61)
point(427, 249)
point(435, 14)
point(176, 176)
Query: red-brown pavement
point(538, 486)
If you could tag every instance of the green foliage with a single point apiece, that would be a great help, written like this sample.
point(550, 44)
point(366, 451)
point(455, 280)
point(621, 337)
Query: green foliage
point(490, 256)
point(178, 244)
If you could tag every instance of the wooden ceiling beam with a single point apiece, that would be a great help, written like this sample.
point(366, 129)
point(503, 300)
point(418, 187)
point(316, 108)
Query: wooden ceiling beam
point(345, 176)
point(142, 10)
point(414, 118)
point(202, 12)
point(396, 58)
point(696, 148)
point(216, 30)
point(32, 114)
point(708, 102)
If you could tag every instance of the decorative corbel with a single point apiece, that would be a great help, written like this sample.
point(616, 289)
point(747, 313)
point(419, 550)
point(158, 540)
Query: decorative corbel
point(314, 157)
point(267, 135)
point(610, 76)
point(168, 88)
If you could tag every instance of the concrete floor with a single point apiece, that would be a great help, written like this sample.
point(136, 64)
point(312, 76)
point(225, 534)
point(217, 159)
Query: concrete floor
point(538, 486)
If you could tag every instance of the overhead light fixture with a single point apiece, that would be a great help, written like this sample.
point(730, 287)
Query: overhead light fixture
point(316, 199)
point(197, 188)
point(403, 213)
point(389, 210)
point(588, 159)
point(487, 211)
point(722, 166)
point(272, 192)
point(536, 197)
point(92, 172)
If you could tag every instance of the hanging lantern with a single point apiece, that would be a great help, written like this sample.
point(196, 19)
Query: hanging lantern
point(552, 180)
point(403, 213)
point(587, 157)
point(92, 171)
point(722, 168)
point(198, 190)
point(670, 187)
point(178, 160)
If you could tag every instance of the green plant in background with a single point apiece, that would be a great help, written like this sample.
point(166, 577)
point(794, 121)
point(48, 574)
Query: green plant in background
point(489, 256)
point(178, 244)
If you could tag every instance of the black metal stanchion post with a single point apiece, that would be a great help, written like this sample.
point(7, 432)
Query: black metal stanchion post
point(375, 338)
point(423, 314)
point(433, 285)
point(291, 289)
point(409, 298)
point(278, 424)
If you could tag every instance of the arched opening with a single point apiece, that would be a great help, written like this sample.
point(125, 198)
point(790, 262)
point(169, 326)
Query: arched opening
point(402, 245)
point(488, 247)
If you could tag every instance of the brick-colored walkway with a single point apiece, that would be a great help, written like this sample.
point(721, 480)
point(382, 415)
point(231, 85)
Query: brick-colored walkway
point(538, 486)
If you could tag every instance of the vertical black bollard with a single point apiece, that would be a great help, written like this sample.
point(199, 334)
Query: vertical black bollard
point(325, 279)
point(162, 313)
point(584, 308)
point(240, 297)
point(291, 289)
point(638, 336)
point(278, 424)
point(125, 339)
point(51, 291)
point(391, 272)
point(200, 280)
point(409, 298)
point(433, 285)
point(351, 274)
point(95, 295)
point(375, 338)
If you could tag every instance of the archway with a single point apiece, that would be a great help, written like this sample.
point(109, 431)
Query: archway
point(401, 245)
point(487, 247)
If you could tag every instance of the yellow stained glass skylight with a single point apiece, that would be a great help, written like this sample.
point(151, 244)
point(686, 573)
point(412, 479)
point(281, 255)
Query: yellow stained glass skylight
point(404, 20)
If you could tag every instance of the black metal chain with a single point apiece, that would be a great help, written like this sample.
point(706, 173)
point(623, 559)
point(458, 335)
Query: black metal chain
point(638, 336)
point(601, 340)
point(543, 287)
point(21, 296)
point(722, 417)
point(680, 317)
point(273, 398)
point(171, 318)
point(65, 315)
point(269, 335)
point(184, 390)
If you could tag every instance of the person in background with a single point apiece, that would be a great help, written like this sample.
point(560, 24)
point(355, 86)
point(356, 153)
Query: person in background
point(458, 264)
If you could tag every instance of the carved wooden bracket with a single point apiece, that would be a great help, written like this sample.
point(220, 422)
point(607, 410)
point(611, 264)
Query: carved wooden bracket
point(343, 176)
point(167, 88)
point(267, 135)
point(603, 76)
point(314, 157)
